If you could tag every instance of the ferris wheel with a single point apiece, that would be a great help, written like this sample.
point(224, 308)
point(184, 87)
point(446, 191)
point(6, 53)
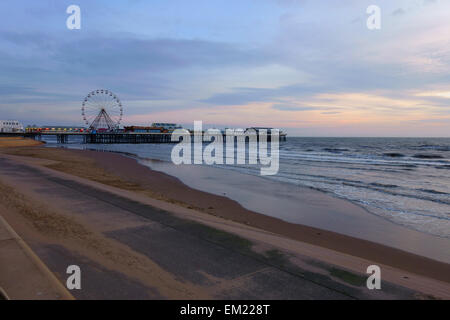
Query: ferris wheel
point(102, 109)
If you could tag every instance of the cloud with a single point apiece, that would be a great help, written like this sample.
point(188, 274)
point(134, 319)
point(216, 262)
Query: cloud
point(331, 112)
point(286, 57)
point(428, 2)
point(137, 67)
point(398, 12)
point(108, 54)
point(292, 107)
point(240, 96)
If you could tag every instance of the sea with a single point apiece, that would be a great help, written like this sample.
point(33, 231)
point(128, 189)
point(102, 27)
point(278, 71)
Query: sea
point(403, 180)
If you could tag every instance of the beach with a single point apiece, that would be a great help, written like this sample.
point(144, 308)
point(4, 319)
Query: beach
point(304, 206)
point(122, 175)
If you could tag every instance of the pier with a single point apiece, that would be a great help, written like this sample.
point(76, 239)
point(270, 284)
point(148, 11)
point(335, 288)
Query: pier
point(106, 138)
point(110, 138)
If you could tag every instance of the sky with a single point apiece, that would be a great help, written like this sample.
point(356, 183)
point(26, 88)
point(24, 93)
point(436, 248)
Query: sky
point(310, 67)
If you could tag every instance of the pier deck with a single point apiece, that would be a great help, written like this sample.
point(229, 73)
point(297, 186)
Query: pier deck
point(107, 138)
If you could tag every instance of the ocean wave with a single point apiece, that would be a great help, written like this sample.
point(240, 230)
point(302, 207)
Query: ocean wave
point(443, 167)
point(408, 167)
point(335, 150)
point(376, 184)
point(428, 156)
point(394, 155)
point(432, 191)
point(372, 160)
point(431, 147)
point(408, 195)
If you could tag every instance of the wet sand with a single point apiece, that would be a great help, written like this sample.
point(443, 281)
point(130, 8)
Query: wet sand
point(6, 142)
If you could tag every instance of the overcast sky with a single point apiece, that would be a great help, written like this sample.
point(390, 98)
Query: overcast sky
point(309, 66)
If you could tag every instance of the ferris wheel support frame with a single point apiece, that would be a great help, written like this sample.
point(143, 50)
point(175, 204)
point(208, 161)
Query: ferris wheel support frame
point(102, 101)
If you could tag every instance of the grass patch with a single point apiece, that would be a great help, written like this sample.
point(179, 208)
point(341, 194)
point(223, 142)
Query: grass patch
point(276, 257)
point(348, 277)
point(224, 238)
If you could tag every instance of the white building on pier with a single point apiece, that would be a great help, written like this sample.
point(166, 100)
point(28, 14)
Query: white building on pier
point(10, 126)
